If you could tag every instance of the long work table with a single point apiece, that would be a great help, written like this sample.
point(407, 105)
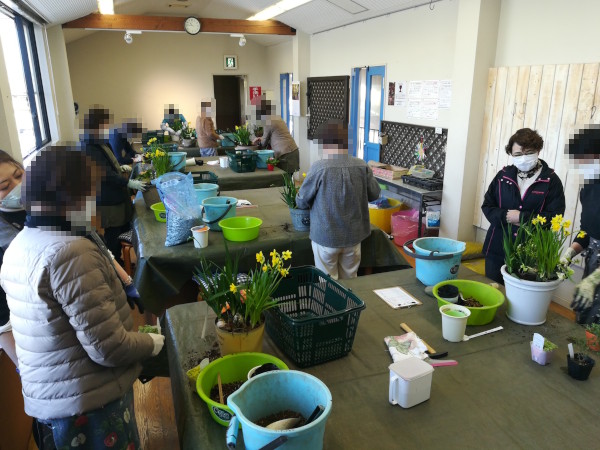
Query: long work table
point(230, 180)
point(162, 272)
point(496, 397)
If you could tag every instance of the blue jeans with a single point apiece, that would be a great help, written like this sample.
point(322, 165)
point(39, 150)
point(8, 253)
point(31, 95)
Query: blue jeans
point(209, 151)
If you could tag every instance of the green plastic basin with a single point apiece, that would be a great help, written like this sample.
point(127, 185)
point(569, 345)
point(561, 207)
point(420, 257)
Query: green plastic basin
point(232, 368)
point(160, 212)
point(240, 229)
point(491, 299)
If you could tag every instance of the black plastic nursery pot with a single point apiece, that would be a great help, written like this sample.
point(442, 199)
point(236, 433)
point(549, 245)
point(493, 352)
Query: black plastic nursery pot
point(580, 367)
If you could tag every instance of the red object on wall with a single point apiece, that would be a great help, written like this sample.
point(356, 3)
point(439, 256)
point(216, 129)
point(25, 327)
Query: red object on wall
point(255, 93)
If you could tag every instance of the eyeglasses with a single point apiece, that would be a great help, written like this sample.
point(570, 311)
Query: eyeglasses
point(525, 152)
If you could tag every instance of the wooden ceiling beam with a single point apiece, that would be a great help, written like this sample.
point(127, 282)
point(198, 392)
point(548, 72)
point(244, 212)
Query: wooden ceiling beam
point(170, 23)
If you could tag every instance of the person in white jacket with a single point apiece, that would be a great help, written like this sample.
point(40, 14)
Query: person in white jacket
point(78, 356)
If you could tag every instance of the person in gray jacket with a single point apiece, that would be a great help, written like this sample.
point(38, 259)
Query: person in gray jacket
point(337, 190)
point(79, 361)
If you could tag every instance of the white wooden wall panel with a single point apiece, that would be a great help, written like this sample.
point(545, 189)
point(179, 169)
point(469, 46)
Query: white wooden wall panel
point(556, 100)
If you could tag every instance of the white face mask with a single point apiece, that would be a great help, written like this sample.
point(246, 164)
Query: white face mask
point(12, 200)
point(525, 162)
point(83, 218)
point(589, 171)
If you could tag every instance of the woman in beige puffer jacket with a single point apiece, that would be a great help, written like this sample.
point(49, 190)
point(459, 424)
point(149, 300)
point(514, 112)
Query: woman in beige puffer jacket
point(78, 355)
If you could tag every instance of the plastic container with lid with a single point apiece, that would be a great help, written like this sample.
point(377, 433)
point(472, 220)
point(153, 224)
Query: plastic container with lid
point(410, 382)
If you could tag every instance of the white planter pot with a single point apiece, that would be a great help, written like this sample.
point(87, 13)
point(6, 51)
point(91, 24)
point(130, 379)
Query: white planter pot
point(528, 301)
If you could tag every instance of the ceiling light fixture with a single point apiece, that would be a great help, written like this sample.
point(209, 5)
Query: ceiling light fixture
point(242, 41)
point(277, 9)
point(128, 35)
point(106, 6)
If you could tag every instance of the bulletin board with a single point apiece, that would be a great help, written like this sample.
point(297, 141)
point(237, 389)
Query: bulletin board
point(327, 98)
point(403, 140)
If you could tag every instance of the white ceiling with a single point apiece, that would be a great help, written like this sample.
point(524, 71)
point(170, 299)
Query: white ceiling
point(313, 17)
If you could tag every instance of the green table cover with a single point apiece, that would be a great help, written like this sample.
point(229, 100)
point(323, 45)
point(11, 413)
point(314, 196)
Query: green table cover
point(496, 397)
point(162, 272)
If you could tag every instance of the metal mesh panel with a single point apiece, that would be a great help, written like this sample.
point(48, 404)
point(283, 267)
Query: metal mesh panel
point(327, 99)
point(403, 139)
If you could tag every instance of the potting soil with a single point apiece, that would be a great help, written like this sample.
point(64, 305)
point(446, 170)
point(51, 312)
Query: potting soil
point(228, 389)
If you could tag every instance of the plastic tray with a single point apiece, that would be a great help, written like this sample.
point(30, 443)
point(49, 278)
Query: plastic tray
point(316, 317)
point(242, 160)
point(205, 176)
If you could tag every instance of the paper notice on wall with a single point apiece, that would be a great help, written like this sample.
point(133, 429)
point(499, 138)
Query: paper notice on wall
point(430, 89)
point(295, 101)
point(415, 89)
point(445, 94)
point(429, 108)
point(413, 108)
point(400, 95)
point(391, 93)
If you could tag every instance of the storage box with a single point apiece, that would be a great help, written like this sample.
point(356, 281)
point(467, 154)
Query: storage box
point(242, 160)
point(410, 382)
point(387, 171)
point(381, 217)
point(315, 319)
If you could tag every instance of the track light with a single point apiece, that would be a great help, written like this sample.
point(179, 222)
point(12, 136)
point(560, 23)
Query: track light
point(242, 40)
point(128, 38)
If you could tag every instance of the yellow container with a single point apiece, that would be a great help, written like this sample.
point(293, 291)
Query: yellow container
point(383, 217)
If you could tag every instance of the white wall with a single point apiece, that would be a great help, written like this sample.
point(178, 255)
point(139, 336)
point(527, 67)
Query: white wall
point(548, 32)
point(279, 60)
point(137, 80)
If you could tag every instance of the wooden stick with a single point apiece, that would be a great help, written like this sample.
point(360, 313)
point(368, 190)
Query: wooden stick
point(221, 399)
point(406, 328)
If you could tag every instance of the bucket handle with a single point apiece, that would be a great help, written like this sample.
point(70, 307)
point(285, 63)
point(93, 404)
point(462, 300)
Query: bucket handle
point(210, 222)
point(430, 257)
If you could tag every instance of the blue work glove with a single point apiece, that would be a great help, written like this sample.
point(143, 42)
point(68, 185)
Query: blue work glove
point(133, 297)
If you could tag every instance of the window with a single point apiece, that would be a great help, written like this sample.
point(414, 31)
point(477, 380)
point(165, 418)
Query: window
point(23, 69)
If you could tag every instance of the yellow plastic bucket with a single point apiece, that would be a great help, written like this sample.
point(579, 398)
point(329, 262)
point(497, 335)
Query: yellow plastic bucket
point(383, 217)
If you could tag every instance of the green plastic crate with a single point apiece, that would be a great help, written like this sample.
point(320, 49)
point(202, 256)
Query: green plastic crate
point(316, 317)
point(242, 160)
point(205, 176)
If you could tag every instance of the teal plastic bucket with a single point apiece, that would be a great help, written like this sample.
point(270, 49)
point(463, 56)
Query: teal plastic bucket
point(217, 209)
point(177, 160)
point(206, 190)
point(263, 155)
point(273, 392)
point(436, 259)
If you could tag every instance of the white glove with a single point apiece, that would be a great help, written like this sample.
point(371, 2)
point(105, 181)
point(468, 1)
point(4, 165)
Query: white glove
point(125, 168)
point(567, 256)
point(137, 185)
point(159, 342)
point(138, 158)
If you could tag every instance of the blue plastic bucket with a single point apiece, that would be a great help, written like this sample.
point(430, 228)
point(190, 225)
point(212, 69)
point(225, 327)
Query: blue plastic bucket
point(205, 190)
point(177, 160)
point(217, 209)
point(436, 259)
point(272, 392)
point(263, 155)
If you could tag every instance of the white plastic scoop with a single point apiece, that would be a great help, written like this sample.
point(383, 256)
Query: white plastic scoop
point(493, 330)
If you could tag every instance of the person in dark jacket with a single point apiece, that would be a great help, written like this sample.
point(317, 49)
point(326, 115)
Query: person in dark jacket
point(114, 203)
point(584, 152)
point(525, 188)
point(119, 141)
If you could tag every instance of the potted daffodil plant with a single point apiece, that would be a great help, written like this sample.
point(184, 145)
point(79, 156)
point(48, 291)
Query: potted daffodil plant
point(239, 300)
point(533, 269)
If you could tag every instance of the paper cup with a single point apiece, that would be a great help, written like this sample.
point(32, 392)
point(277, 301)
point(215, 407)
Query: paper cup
point(200, 236)
point(454, 322)
point(224, 161)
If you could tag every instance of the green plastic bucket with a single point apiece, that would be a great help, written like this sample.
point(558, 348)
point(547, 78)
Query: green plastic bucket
point(232, 368)
point(240, 229)
point(160, 212)
point(490, 297)
point(217, 209)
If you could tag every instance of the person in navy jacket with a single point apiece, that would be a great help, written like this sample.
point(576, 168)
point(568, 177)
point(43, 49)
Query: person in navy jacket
point(525, 188)
point(119, 141)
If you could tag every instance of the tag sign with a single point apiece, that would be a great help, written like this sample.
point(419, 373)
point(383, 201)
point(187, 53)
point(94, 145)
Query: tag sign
point(571, 353)
point(538, 341)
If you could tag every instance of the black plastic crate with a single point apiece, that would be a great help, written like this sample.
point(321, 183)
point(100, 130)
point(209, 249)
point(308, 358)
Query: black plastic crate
point(430, 184)
point(316, 317)
point(242, 160)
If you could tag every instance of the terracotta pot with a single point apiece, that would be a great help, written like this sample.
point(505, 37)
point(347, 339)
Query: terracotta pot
point(592, 341)
point(270, 167)
point(236, 342)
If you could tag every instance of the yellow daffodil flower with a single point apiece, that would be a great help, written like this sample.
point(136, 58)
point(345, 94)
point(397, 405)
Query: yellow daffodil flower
point(233, 288)
point(557, 219)
point(581, 234)
point(542, 220)
point(275, 261)
point(265, 268)
point(273, 253)
point(535, 221)
point(287, 255)
point(566, 224)
point(260, 258)
point(284, 272)
point(556, 226)
point(304, 174)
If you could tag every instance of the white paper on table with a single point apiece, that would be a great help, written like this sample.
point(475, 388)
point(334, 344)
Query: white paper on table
point(397, 297)
point(213, 163)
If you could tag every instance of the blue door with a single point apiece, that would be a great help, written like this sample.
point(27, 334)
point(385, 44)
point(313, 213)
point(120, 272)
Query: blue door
point(373, 111)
